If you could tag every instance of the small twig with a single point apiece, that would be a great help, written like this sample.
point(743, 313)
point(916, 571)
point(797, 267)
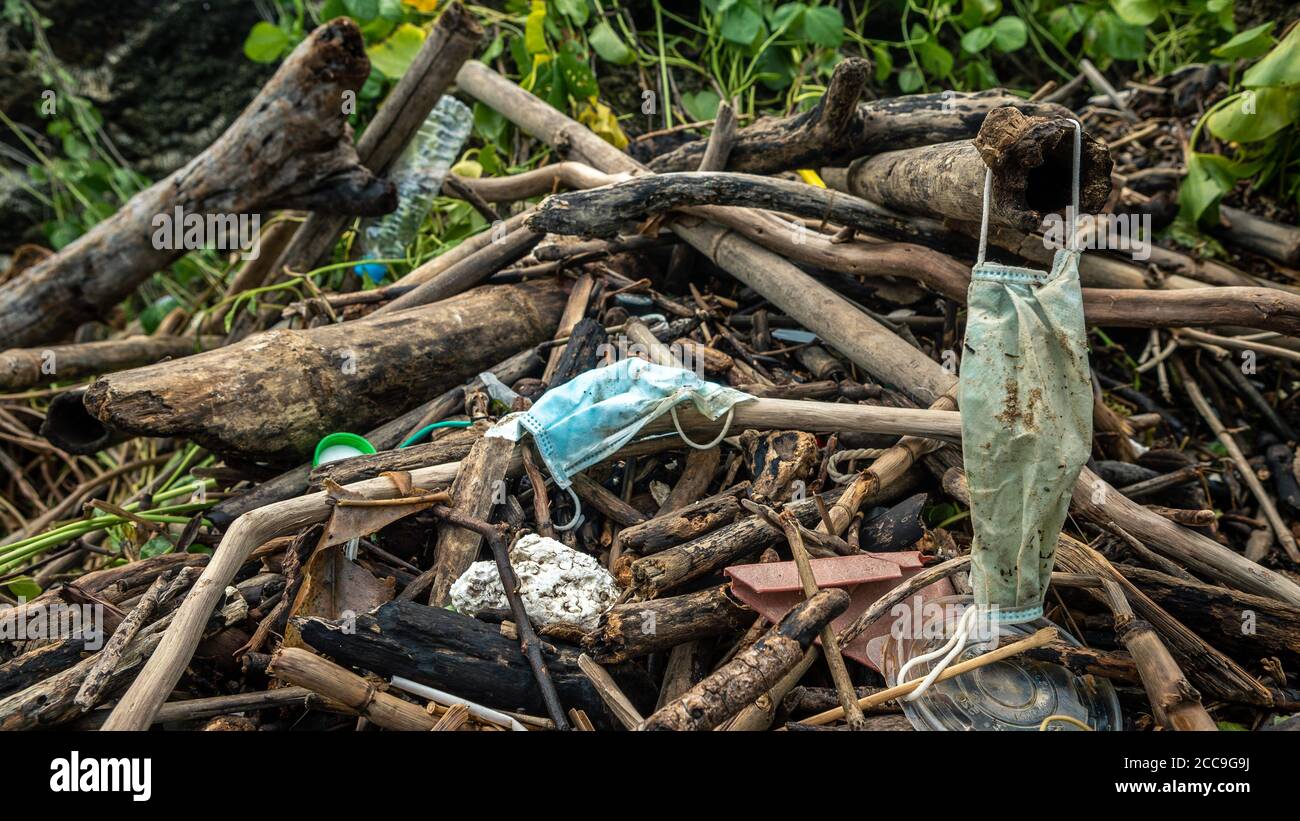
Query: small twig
point(93, 686)
point(1266, 505)
point(541, 500)
point(528, 640)
point(830, 646)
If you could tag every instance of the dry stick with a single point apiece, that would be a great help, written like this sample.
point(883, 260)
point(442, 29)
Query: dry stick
point(609, 691)
point(1039, 639)
point(528, 640)
point(541, 500)
point(574, 310)
point(305, 669)
point(92, 688)
point(195, 708)
point(475, 491)
point(468, 272)
point(1176, 703)
point(24, 367)
point(912, 585)
point(754, 670)
point(759, 715)
point(1239, 459)
point(835, 661)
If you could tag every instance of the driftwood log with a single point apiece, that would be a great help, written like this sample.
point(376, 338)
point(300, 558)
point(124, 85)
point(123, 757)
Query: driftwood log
point(464, 656)
point(839, 129)
point(24, 367)
point(272, 396)
point(291, 148)
point(1032, 163)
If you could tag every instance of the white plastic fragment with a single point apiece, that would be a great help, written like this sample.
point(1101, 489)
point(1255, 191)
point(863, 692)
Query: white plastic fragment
point(557, 584)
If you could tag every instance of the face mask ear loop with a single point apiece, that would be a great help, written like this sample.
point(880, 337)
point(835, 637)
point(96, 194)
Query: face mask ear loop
point(1074, 185)
point(954, 646)
point(984, 217)
point(722, 433)
point(577, 512)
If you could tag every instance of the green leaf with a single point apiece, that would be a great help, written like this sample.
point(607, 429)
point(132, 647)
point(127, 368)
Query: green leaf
point(535, 28)
point(609, 45)
point(979, 75)
point(575, 10)
point(824, 25)
point(977, 39)
point(1280, 67)
point(1108, 36)
point(1248, 44)
point(935, 59)
point(741, 23)
point(775, 69)
point(974, 12)
point(392, 10)
point(787, 17)
point(1067, 21)
point(701, 105)
point(910, 78)
point(1136, 12)
point(578, 77)
point(1255, 115)
point(1209, 177)
point(265, 43)
point(363, 11)
point(884, 63)
point(1010, 34)
point(393, 56)
point(24, 587)
point(157, 546)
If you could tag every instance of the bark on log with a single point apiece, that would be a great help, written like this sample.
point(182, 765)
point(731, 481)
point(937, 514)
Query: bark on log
point(838, 129)
point(678, 526)
point(24, 367)
point(290, 148)
point(638, 629)
point(271, 397)
point(388, 435)
point(1032, 163)
point(466, 657)
point(652, 575)
point(754, 670)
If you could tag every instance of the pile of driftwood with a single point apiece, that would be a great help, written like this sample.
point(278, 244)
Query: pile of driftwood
point(840, 308)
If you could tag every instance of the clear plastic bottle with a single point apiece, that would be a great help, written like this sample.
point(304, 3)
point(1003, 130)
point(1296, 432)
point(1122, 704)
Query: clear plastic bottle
point(418, 172)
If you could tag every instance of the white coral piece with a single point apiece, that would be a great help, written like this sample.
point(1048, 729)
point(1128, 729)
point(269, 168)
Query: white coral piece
point(557, 584)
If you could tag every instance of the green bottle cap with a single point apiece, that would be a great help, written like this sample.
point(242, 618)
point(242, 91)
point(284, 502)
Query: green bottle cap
point(340, 443)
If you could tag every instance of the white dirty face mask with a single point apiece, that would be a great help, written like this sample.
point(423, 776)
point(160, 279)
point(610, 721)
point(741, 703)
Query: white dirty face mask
point(1026, 411)
point(597, 412)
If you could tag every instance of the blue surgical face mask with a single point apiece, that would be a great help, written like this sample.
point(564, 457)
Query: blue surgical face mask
point(591, 416)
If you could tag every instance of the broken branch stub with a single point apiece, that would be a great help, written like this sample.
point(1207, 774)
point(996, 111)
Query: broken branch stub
point(290, 148)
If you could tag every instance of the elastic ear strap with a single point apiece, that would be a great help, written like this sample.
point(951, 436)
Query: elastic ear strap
point(984, 217)
point(1074, 185)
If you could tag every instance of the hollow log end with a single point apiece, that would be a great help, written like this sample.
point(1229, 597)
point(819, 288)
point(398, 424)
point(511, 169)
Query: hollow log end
point(1032, 161)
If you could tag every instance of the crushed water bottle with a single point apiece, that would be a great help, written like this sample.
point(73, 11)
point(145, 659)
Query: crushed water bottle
point(418, 172)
